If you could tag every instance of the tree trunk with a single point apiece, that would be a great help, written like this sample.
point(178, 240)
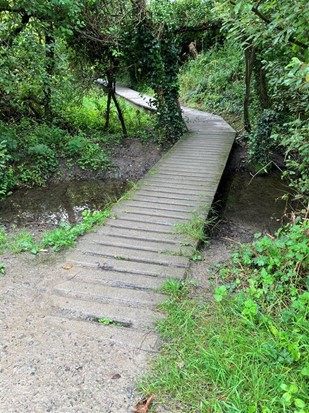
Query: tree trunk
point(120, 115)
point(108, 110)
point(249, 60)
point(261, 83)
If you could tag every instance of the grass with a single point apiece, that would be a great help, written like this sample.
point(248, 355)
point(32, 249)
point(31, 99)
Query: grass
point(238, 353)
point(89, 116)
point(194, 228)
point(212, 362)
point(62, 237)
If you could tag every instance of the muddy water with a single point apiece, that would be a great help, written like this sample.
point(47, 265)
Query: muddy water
point(60, 202)
point(253, 204)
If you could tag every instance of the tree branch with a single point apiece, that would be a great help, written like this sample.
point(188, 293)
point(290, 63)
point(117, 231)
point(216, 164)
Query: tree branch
point(268, 21)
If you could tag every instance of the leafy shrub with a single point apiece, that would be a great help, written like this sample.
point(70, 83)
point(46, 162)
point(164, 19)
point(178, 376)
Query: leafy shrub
point(276, 269)
point(6, 177)
point(66, 235)
point(214, 81)
point(260, 143)
point(86, 153)
point(294, 140)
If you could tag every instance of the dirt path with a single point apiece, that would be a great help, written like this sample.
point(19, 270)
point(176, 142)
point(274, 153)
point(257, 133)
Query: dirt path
point(49, 365)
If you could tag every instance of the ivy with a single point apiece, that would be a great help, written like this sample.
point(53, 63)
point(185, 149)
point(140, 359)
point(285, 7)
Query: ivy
point(154, 49)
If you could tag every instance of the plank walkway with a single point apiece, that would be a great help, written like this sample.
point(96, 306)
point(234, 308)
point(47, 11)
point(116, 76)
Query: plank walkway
point(57, 357)
point(118, 270)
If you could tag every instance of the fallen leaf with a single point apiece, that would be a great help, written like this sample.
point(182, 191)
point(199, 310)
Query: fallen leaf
point(67, 266)
point(143, 406)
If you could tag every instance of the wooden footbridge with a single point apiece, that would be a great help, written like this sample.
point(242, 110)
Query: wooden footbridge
point(64, 360)
point(117, 271)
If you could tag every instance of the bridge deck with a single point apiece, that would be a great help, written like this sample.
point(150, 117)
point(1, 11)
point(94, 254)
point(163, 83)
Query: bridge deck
point(119, 268)
point(58, 358)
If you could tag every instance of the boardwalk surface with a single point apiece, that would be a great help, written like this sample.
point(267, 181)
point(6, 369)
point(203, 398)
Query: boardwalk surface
point(60, 359)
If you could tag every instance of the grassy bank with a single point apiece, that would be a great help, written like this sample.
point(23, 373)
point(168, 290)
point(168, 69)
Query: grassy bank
point(245, 351)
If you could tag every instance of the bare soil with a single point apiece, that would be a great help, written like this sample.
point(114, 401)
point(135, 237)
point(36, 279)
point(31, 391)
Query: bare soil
point(130, 160)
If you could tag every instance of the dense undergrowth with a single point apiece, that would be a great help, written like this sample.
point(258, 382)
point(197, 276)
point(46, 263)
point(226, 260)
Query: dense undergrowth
point(247, 350)
point(214, 81)
point(31, 151)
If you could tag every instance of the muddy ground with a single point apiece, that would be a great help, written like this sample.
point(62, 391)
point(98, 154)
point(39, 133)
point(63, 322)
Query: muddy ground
point(130, 160)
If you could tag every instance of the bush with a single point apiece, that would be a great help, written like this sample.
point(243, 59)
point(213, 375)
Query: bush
point(215, 80)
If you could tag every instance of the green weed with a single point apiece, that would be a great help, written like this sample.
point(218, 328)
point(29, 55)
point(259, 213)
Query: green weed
point(62, 237)
point(107, 322)
point(194, 228)
point(172, 287)
point(214, 81)
point(246, 351)
point(2, 268)
point(66, 235)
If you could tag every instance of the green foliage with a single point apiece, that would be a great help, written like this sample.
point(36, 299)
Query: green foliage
point(296, 146)
point(88, 154)
point(275, 269)
point(107, 322)
point(248, 351)
point(22, 241)
point(152, 46)
point(6, 177)
point(87, 116)
point(59, 238)
point(213, 362)
point(2, 268)
point(260, 143)
point(195, 228)
point(215, 80)
point(66, 235)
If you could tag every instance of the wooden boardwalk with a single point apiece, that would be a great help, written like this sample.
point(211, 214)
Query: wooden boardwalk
point(55, 356)
point(118, 270)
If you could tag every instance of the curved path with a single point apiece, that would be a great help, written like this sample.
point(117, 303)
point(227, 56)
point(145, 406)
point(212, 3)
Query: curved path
point(55, 355)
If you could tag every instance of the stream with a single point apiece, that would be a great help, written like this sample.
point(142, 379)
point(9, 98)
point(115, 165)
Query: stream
point(253, 204)
point(46, 207)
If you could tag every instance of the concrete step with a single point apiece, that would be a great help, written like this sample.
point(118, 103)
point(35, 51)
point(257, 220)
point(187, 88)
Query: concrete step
point(138, 244)
point(144, 340)
point(106, 294)
point(141, 235)
point(137, 224)
point(177, 183)
point(133, 267)
point(166, 257)
point(163, 199)
point(73, 308)
point(162, 207)
point(169, 188)
point(151, 211)
point(114, 279)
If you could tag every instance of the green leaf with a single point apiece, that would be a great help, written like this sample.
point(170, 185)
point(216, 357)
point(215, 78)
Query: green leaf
point(299, 403)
